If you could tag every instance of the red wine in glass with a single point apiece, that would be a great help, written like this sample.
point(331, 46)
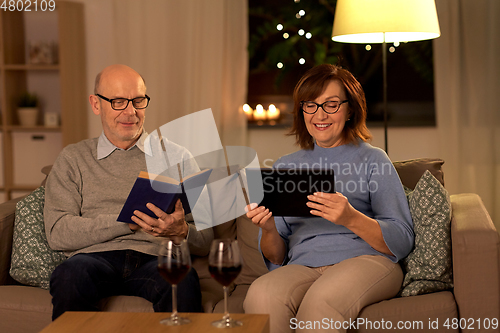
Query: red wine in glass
point(225, 274)
point(224, 264)
point(174, 262)
point(175, 273)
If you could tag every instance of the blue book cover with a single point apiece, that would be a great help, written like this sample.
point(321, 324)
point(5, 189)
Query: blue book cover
point(163, 192)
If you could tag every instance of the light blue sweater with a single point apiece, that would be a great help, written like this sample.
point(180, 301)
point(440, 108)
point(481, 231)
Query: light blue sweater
point(366, 176)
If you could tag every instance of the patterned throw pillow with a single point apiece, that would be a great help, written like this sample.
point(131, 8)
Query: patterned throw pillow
point(32, 259)
point(428, 268)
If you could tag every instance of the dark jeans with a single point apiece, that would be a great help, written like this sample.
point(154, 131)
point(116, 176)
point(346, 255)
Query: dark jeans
point(80, 282)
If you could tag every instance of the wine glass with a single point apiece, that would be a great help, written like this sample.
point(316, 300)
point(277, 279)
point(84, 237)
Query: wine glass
point(224, 264)
point(174, 262)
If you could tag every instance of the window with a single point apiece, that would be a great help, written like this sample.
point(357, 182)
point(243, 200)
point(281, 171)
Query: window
point(287, 37)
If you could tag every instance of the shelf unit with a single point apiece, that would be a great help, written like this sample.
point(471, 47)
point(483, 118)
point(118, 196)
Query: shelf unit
point(15, 71)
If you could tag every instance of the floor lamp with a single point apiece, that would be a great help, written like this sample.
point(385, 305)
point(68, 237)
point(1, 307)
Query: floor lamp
point(384, 21)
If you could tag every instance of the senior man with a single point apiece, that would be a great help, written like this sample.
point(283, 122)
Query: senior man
point(85, 192)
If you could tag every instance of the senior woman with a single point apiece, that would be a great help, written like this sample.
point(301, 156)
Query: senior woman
point(326, 268)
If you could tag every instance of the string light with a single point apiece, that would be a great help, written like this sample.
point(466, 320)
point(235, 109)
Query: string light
point(392, 49)
point(301, 32)
point(368, 47)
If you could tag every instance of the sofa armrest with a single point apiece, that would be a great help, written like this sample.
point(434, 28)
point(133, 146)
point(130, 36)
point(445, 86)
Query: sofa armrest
point(7, 211)
point(476, 269)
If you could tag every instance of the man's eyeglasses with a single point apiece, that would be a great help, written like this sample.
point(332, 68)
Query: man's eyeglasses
point(329, 107)
point(120, 104)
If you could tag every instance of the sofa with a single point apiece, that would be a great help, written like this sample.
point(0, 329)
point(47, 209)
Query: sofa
point(473, 303)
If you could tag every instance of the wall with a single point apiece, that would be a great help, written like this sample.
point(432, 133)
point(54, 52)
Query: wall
point(100, 48)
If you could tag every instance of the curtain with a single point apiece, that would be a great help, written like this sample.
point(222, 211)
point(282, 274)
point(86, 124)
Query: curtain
point(191, 53)
point(467, 72)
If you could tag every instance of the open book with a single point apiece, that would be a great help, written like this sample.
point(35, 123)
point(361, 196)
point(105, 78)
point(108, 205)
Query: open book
point(163, 192)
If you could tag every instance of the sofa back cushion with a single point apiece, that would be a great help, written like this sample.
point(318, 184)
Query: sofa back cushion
point(32, 259)
point(428, 268)
point(224, 230)
point(247, 234)
point(6, 232)
point(410, 171)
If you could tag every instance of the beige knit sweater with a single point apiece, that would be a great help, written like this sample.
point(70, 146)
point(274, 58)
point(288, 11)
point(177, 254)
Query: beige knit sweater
point(84, 196)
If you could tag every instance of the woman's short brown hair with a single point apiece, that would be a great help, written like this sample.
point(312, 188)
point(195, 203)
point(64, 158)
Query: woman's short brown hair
point(311, 85)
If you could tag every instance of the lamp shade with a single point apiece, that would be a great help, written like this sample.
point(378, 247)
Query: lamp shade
point(370, 21)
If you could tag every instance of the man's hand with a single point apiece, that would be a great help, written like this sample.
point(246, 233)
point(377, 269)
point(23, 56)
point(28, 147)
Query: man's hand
point(165, 225)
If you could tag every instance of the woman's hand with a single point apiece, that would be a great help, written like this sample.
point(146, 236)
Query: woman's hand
point(260, 216)
point(165, 225)
point(332, 206)
point(271, 243)
point(336, 208)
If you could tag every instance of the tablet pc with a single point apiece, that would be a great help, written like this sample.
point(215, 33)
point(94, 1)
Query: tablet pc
point(286, 190)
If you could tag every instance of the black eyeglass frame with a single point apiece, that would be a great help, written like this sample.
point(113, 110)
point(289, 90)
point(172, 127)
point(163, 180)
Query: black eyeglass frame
point(128, 101)
point(321, 106)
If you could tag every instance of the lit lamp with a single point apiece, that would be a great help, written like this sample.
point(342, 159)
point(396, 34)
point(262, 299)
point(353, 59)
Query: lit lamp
point(385, 21)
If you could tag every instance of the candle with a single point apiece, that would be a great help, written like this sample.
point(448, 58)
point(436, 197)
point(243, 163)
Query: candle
point(273, 113)
point(259, 113)
point(248, 111)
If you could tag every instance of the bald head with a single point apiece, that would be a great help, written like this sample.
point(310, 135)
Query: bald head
point(122, 127)
point(114, 72)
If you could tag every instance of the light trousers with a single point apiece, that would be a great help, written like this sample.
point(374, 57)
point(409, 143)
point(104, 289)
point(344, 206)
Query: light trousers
point(300, 298)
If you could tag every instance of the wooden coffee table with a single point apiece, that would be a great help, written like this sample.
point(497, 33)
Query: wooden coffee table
point(123, 322)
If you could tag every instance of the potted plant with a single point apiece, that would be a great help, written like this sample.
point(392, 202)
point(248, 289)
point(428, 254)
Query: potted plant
point(27, 109)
